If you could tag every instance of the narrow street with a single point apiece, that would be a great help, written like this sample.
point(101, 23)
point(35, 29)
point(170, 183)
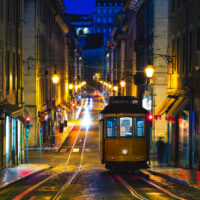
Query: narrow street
point(76, 171)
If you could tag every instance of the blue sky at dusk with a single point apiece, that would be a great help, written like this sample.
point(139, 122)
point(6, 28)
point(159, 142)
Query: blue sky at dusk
point(79, 6)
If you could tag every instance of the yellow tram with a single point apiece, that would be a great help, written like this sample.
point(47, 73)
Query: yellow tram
point(124, 131)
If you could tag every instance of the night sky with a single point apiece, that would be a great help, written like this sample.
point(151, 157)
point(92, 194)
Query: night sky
point(79, 6)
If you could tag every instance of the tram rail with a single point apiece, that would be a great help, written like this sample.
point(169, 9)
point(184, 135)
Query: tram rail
point(53, 176)
point(135, 194)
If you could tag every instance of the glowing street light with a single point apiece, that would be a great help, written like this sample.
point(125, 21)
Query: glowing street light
point(115, 88)
point(71, 86)
point(123, 83)
point(55, 78)
point(149, 71)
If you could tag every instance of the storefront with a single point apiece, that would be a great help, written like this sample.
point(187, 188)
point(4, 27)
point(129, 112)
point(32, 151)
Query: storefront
point(12, 135)
point(178, 117)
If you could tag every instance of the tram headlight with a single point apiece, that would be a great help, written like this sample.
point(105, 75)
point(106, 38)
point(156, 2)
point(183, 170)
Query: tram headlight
point(124, 151)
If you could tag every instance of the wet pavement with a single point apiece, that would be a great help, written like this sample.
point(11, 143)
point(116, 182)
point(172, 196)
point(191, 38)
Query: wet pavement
point(93, 181)
point(12, 175)
point(189, 177)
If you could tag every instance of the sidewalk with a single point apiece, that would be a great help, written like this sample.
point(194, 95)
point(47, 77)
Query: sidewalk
point(189, 177)
point(9, 176)
point(60, 137)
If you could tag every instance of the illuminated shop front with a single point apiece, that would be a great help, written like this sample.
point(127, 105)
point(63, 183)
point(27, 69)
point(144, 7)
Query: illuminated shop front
point(12, 136)
point(180, 119)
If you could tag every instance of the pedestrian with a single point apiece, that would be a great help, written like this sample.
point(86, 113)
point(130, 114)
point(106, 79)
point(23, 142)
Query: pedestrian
point(160, 150)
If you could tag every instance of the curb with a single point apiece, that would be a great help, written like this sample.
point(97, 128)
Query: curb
point(58, 148)
point(178, 180)
point(19, 179)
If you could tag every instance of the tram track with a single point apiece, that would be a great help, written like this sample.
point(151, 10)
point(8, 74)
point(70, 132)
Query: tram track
point(63, 172)
point(131, 188)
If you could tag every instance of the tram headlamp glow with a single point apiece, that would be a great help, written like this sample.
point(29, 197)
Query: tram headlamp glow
point(124, 151)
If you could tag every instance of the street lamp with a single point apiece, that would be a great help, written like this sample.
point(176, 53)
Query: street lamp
point(123, 83)
point(115, 88)
point(71, 86)
point(149, 72)
point(55, 78)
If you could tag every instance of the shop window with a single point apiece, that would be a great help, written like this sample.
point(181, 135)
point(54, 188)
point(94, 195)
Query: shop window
point(111, 127)
point(139, 127)
point(7, 139)
point(19, 141)
point(126, 127)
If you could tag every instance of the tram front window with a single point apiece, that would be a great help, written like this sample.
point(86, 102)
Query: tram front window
point(111, 127)
point(139, 127)
point(126, 127)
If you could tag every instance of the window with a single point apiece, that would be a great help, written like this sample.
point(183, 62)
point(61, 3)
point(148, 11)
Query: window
point(139, 127)
point(198, 39)
point(178, 3)
point(1, 8)
point(1, 70)
point(104, 20)
point(13, 72)
point(184, 52)
point(104, 10)
point(110, 20)
point(190, 49)
point(178, 55)
point(126, 127)
point(111, 127)
point(173, 5)
point(98, 20)
point(7, 71)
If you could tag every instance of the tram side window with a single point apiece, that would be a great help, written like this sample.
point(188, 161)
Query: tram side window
point(111, 127)
point(139, 127)
point(126, 127)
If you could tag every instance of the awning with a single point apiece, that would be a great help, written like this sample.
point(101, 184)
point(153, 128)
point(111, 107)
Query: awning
point(64, 107)
point(165, 105)
point(12, 110)
point(178, 106)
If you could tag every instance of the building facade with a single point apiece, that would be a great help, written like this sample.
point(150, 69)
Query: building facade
point(11, 83)
point(104, 16)
point(45, 52)
point(122, 65)
point(183, 84)
point(152, 49)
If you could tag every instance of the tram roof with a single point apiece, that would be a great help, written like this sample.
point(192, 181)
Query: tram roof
point(133, 108)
